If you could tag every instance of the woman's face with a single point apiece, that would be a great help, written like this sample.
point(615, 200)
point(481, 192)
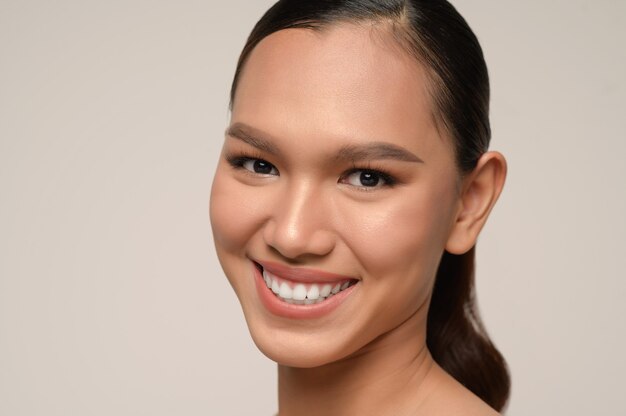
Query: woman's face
point(333, 175)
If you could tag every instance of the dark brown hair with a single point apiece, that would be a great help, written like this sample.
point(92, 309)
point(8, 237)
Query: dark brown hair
point(435, 34)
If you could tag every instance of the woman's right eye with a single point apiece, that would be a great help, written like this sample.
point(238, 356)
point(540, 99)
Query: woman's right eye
point(260, 166)
point(254, 165)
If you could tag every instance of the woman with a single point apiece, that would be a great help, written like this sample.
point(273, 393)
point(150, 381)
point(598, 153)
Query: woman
point(348, 198)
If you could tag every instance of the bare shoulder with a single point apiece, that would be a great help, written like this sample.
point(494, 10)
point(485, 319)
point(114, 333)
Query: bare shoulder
point(450, 398)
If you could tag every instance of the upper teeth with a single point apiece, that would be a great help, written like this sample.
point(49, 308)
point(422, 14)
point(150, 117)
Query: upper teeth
point(301, 293)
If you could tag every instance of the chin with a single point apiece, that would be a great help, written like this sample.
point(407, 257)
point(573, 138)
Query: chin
point(297, 335)
point(293, 350)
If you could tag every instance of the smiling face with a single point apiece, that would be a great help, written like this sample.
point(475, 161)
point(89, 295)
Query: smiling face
point(333, 176)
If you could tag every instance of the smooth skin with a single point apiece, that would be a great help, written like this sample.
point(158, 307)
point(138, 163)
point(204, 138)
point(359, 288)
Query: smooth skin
point(334, 161)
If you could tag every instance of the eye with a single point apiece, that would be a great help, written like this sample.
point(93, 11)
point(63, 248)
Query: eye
point(259, 166)
point(367, 178)
point(252, 164)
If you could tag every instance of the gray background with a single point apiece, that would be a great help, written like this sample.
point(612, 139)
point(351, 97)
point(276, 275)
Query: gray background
point(111, 118)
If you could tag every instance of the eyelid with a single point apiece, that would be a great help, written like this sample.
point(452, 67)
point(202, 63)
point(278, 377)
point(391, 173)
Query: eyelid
point(238, 160)
point(388, 179)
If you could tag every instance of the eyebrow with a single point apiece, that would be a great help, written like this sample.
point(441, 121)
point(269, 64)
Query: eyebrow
point(351, 152)
point(376, 151)
point(252, 136)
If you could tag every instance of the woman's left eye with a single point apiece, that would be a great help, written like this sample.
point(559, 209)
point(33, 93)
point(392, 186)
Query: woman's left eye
point(366, 178)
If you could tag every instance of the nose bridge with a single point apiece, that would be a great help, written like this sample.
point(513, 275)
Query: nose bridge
point(299, 224)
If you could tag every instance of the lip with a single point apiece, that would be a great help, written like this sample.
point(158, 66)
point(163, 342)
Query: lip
point(302, 275)
point(293, 311)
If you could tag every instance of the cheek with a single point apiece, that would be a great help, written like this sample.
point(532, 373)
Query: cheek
point(235, 214)
point(401, 237)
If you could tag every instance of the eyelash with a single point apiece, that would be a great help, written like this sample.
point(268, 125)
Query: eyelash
point(389, 180)
point(237, 161)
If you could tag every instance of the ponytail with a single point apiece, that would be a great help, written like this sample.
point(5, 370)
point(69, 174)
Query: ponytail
point(456, 337)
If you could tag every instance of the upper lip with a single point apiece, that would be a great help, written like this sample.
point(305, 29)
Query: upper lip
point(302, 275)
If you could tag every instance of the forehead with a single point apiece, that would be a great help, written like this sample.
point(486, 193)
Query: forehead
point(344, 81)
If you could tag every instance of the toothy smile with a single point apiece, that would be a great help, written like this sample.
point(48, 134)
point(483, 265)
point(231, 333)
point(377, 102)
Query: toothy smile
point(300, 293)
point(303, 292)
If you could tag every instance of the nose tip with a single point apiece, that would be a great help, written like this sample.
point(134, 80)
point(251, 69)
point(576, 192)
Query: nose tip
point(300, 225)
point(294, 240)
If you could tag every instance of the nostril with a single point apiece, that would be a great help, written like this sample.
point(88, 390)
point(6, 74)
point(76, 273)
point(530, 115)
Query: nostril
point(297, 242)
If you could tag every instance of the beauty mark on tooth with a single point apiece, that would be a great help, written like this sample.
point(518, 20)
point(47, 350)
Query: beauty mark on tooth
point(325, 291)
point(313, 293)
point(299, 292)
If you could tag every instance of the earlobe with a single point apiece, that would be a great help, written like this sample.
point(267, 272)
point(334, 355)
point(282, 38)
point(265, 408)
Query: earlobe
point(480, 191)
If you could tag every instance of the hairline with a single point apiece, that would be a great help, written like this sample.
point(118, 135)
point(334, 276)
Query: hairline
point(396, 33)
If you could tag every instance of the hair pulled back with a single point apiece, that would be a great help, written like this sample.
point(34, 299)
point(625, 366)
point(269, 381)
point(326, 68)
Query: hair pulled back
point(436, 35)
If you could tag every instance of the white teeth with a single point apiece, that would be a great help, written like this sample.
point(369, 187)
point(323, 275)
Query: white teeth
point(285, 291)
point(325, 291)
point(275, 287)
point(299, 292)
point(313, 293)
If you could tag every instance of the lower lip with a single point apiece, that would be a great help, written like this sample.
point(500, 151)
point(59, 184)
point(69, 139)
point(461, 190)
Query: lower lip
point(293, 311)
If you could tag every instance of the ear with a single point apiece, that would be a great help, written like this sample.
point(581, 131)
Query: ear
point(479, 192)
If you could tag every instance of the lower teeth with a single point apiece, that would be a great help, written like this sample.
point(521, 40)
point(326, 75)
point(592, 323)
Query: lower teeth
point(308, 301)
point(305, 301)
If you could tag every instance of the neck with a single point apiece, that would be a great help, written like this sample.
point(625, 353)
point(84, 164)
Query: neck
point(392, 369)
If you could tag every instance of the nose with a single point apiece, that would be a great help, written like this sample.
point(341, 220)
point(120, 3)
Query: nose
point(299, 224)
